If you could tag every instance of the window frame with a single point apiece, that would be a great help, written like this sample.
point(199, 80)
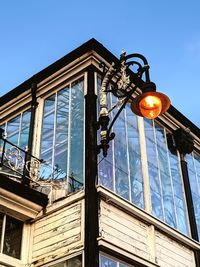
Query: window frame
point(67, 83)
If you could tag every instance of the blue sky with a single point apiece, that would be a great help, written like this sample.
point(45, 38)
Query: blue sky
point(35, 33)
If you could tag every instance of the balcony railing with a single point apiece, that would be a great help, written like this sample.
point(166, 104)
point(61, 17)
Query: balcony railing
point(17, 162)
point(22, 166)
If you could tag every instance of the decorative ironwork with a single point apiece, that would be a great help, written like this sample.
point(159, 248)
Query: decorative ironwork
point(33, 168)
point(14, 158)
point(18, 162)
point(121, 88)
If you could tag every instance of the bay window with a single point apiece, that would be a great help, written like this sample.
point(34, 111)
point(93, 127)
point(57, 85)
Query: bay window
point(62, 141)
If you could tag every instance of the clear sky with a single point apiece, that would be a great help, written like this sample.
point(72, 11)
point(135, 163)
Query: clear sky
point(35, 33)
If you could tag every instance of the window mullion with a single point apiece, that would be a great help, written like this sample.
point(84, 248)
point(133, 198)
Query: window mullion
point(127, 151)
point(69, 136)
point(158, 165)
point(20, 128)
point(171, 181)
point(54, 135)
point(144, 161)
point(3, 233)
point(113, 146)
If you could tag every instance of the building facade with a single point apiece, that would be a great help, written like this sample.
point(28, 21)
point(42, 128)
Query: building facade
point(64, 204)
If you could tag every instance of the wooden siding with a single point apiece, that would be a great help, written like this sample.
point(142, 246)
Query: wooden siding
point(170, 253)
point(124, 231)
point(58, 234)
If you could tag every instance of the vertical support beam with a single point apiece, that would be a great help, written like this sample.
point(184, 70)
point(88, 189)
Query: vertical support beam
point(91, 197)
point(183, 141)
point(188, 195)
point(31, 133)
point(189, 200)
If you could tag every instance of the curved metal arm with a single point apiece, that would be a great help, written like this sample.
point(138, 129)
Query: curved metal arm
point(121, 89)
point(146, 65)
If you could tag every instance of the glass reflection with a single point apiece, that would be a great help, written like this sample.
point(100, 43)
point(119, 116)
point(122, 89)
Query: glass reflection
point(193, 163)
point(77, 132)
point(62, 139)
point(166, 186)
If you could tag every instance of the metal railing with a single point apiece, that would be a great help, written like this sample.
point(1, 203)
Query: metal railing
point(22, 166)
point(17, 162)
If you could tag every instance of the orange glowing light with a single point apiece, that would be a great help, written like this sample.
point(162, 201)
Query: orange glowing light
point(150, 106)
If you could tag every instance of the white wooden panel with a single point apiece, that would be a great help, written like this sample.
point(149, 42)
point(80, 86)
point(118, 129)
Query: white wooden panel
point(123, 230)
point(170, 253)
point(58, 234)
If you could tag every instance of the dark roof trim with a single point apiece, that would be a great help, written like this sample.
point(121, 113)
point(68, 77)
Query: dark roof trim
point(90, 45)
point(183, 120)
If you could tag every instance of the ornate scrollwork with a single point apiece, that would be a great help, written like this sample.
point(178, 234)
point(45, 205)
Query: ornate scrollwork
point(33, 167)
point(14, 158)
point(125, 79)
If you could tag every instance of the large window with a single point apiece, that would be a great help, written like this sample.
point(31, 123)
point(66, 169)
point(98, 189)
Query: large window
point(130, 162)
point(166, 185)
point(193, 162)
point(62, 142)
point(10, 236)
point(17, 129)
point(121, 170)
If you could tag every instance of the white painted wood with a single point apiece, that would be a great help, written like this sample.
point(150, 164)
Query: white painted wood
point(143, 216)
point(151, 243)
point(145, 172)
point(170, 253)
point(58, 234)
point(125, 231)
point(17, 206)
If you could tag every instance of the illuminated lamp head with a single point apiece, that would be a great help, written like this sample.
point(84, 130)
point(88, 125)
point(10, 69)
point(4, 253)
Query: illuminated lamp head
point(150, 104)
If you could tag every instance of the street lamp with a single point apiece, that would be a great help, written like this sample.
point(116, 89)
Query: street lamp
point(123, 83)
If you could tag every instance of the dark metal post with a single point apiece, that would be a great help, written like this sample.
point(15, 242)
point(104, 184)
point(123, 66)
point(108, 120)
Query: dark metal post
point(191, 214)
point(91, 197)
point(3, 147)
point(184, 143)
point(31, 134)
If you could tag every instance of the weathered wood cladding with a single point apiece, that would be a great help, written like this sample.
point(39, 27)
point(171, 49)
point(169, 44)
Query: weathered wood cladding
point(171, 253)
point(138, 238)
point(58, 234)
point(122, 230)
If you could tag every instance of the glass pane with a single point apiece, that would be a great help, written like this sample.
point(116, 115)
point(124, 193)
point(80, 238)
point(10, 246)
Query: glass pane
point(13, 130)
point(106, 262)
point(179, 196)
point(76, 136)
point(24, 133)
point(74, 262)
point(120, 153)
point(61, 140)
point(47, 136)
point(13, 237)
point(136, 179)
point(106, 168)
point(166, 185)
point(193, 161)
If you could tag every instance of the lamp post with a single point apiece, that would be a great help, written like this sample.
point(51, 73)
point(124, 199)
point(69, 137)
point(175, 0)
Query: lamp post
point(123, 83)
